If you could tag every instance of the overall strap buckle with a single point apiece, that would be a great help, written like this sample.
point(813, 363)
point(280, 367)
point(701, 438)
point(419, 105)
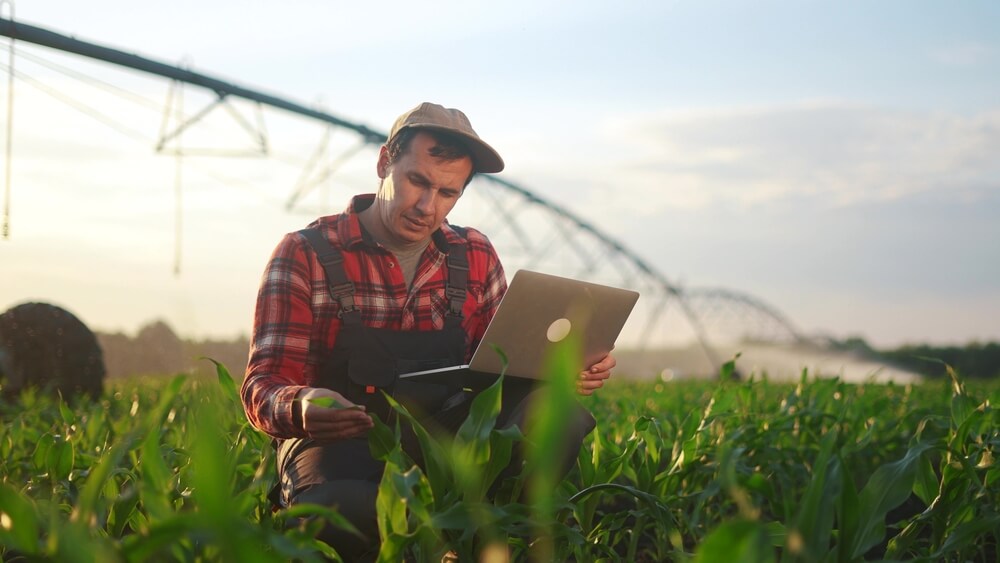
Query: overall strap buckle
point(332, 261)
point(344, 294)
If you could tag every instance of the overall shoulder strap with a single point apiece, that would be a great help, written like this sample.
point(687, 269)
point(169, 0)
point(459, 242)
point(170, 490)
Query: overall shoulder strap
point(458, 275)
point(341, 288)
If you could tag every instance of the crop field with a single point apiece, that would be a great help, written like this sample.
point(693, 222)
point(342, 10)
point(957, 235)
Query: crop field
point(168, 469)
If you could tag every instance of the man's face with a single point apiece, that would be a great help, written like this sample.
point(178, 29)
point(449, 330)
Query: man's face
point(418, 190)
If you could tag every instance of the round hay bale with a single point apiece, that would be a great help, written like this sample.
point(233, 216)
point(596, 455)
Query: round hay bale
point(45, 346)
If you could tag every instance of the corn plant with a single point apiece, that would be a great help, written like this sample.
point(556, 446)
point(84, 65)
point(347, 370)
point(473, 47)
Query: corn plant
point(816, 470)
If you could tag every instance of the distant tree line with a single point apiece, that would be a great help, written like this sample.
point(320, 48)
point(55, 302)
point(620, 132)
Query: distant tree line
point(157, 350)
point(975, 360)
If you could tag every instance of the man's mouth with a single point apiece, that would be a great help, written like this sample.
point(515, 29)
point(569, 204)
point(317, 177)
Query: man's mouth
point(416, 223)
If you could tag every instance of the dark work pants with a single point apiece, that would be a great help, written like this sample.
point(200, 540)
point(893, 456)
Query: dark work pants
point(345, 476)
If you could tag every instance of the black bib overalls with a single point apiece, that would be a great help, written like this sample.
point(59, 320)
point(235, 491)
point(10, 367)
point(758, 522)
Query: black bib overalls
point(364, 362)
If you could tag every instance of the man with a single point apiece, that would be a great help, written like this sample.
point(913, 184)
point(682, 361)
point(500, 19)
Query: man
point(359, 297)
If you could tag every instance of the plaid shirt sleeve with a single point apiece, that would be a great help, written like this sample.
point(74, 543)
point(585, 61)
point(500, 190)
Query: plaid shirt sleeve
point(295, 322)
point(280, 341)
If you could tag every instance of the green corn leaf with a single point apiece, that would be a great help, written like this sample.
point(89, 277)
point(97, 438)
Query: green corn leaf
point(848, 514)
point(952, 499)
point(40, 457)
point(642, 424)
point(501, 448)
point(965, 535)
point(814, 522)
point(473, 437)
point(777, 534)
point(737, 540)
point(958, 387)
point(504, 362)
point(19, 527)
point(413, 486)
point(326, 513)
point(553, 406)
point(211, 472)
point(971, 428)
point(961, 405)
point(888, 487)
point(652, 502)
point(154, 469)
point(399, 492)
point(86, 504)
point(225, 380)
point(482, 414)
point(155, 477)
point(547, 422)
point(381, 439)
point(159, 414)
point(586, 463)
point(74, 542)
point(439, 471)
point(925, 484)
point(65, 412)
point(649, 485)
point(992, 476)
point(728, 369)
point(59, 460)
point(459, 515)
point(158, 536)
point(330, 403)
point(121, 513)
point(391, 548)
point(963, 409)
point(904, 540)
point(608, 459)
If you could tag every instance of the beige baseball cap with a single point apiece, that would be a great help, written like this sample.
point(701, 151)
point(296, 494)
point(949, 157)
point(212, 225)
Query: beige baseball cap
point(434, 116)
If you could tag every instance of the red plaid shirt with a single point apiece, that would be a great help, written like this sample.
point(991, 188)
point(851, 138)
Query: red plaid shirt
point(296, 324)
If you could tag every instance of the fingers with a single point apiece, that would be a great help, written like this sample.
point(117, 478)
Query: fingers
point(340, 429)
point(589, 382)
point(607, 363)
point(338, 425)
point(320, 397)
point(339, 419)
point(594, 378)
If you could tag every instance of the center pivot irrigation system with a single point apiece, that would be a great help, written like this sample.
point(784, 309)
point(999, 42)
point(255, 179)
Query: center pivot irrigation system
point(529, 230)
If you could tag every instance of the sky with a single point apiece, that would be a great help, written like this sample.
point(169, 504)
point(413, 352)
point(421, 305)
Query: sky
point(836, 160)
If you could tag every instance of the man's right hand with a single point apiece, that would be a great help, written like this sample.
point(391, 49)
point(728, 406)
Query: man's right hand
point(342, 421)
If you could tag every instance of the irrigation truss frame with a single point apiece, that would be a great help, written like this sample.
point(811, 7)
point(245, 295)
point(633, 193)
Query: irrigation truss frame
point(702, 309)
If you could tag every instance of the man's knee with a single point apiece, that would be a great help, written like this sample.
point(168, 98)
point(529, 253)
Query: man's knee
point(355, 501)
point(524, 400)
point(582, 422)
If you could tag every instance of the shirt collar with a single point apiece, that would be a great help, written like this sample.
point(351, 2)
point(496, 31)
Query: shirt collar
point(351, 233)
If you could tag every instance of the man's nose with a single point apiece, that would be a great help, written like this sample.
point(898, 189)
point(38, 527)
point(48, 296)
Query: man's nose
point(425, 204)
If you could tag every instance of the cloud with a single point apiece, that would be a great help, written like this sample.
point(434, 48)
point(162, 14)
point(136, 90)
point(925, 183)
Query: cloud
point(964, 54)
point(834, 153)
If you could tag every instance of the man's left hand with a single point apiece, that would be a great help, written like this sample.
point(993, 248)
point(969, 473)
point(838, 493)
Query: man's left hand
point(594, 377)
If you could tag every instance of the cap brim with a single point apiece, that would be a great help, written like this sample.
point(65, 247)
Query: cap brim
point(487, 159)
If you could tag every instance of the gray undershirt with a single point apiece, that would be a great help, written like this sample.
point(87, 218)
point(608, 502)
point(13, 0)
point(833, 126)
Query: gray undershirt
point(408, 258)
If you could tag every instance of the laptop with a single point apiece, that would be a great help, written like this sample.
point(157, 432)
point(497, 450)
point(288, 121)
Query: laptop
point(538, 311)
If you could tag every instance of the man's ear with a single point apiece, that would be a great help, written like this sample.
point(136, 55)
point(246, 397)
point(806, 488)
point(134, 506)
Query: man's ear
point(382, 166)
